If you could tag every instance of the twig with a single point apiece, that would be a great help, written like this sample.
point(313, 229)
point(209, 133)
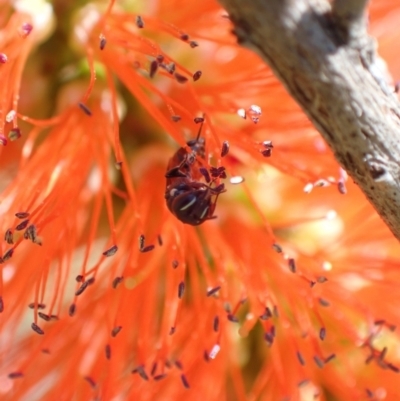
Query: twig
point(340, 85)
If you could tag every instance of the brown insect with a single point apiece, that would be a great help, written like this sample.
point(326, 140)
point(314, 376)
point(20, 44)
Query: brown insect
point(188, 197)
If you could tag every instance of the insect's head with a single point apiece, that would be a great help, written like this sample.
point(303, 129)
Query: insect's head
point(198, 145)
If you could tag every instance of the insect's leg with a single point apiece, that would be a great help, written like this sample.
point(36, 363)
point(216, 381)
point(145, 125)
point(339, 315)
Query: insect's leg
point(182, 170)
point(175, 173)
point(200, 128)
point(212, 207)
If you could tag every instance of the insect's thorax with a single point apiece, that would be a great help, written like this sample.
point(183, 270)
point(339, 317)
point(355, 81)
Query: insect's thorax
point(190, 162)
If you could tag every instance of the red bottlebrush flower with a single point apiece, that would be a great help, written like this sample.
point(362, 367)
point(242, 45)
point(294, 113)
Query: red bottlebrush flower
point(104, 293)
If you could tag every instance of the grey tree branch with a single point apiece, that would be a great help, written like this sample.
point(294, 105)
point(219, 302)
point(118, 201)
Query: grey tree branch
point(349, 16)
point(340, 84)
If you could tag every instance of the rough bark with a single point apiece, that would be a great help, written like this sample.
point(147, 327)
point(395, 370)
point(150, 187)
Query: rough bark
point(323, 55)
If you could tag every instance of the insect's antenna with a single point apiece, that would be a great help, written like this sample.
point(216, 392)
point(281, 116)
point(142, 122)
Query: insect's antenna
point(201, 127)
